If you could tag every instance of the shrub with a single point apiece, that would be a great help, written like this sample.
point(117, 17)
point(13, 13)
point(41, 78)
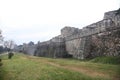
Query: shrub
point(0, 62)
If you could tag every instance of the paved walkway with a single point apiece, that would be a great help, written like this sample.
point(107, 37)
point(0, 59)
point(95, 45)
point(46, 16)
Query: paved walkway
point(3, 53)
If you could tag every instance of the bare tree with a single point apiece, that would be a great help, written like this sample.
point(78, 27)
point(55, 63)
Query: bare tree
point(1, 42)
point(1, 38)
point(9, 44)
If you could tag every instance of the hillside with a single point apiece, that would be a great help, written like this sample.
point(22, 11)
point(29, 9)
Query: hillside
point(24, 67)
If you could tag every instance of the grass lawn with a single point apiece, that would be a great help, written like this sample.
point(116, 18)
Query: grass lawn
point(24, 67)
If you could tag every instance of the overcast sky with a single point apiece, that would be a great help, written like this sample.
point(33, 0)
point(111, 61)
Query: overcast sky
point(40, 20)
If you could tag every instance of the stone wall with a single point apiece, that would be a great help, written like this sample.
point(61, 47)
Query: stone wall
point(28, 49)
point(80, 42)
point(97, 39)
point(106, 44)
point(53, 48)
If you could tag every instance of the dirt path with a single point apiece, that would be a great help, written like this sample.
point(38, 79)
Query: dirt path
point(3, 54)
point(86, 71)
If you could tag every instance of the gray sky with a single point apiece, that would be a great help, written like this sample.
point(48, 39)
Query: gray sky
point(40, 20)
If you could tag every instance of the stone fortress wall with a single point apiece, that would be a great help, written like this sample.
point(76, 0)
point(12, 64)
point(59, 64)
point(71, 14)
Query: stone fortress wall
point(93, 40)
point(78, 41)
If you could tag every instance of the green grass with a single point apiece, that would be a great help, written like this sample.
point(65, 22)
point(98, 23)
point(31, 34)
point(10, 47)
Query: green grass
point(23, 67)
point(107, 60)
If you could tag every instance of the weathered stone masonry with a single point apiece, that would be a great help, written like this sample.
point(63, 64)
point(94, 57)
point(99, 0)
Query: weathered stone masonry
point(52, 48)
point(98, 39)
point(79, 43)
